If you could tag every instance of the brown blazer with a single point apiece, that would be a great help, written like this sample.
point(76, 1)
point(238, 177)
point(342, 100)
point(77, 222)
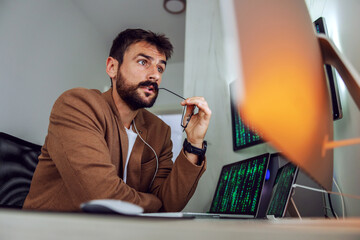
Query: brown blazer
point(84, 156)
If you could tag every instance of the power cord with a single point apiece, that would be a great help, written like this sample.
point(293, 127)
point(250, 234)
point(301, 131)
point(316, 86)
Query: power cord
point(331, 207)
point(342, 198)
point(330, 192)
point(157, 160)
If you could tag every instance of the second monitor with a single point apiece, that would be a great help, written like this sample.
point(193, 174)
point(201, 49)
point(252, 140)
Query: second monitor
point(243, 135)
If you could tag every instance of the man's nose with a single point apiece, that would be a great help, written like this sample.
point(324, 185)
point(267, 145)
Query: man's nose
point(154, 74)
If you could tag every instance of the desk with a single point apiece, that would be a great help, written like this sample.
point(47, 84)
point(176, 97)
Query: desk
point(18, 224)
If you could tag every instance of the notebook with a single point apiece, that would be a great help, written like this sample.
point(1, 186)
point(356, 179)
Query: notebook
point(282, 190)
point(238, 191)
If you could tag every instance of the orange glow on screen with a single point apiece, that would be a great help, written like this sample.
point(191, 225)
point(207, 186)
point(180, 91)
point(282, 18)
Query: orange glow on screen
point(285, 90)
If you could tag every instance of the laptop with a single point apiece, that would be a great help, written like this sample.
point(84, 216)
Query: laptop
point(282, 190)
point(237, 194)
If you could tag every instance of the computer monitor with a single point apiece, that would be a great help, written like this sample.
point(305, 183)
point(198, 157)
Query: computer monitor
point(282, 190)
point(243, 135)
point(320, 27)
point(275, 160)
point(282, 82)
point(240, 186)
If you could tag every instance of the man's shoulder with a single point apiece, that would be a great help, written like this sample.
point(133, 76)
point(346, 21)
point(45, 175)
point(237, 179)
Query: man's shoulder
point(90, 96)
point(81, 98)
point(81, 92)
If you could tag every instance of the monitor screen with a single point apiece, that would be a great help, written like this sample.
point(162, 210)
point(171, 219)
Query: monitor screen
point(285, 178)
point(243, 135)
point(240, 186)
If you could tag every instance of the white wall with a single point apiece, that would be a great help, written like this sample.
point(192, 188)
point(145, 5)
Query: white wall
point(208, 73)
point(342, 18)
point(46, 48)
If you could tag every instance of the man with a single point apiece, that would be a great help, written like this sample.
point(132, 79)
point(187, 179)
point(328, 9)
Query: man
point(107, 146)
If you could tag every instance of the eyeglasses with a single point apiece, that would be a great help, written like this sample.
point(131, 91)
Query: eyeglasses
point(184, 119)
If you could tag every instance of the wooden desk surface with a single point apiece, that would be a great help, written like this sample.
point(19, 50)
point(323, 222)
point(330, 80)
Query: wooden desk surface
point(18, 224)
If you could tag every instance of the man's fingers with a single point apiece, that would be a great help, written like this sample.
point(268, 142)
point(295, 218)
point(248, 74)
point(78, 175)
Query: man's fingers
point(200, 102)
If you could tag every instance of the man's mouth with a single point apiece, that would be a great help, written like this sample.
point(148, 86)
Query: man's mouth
point(149, 87)
point(148, 90)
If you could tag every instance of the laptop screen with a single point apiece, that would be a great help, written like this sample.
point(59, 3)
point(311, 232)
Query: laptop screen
point(239, 188)
point(285, 178)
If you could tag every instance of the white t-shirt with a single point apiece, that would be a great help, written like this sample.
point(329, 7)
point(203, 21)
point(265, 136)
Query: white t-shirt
point(132, 137)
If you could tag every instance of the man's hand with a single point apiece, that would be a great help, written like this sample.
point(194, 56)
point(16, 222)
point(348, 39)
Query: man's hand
point(199, 122)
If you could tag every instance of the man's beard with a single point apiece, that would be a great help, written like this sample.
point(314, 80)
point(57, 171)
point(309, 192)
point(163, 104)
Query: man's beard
point(131, 97)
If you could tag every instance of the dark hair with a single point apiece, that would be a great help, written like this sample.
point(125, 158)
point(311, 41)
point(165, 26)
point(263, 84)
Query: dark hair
point(131, 36)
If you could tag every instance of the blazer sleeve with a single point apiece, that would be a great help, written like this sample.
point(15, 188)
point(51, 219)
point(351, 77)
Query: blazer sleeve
point(175, 183)
point(77, 146)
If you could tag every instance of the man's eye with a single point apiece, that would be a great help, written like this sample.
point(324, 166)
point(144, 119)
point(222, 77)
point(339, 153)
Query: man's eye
point(160, 69)
point(142, 62)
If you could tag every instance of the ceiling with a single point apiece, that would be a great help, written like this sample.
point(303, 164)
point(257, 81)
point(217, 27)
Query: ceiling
point(110, 17)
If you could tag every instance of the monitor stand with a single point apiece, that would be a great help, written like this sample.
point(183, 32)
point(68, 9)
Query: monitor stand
point(292, 209)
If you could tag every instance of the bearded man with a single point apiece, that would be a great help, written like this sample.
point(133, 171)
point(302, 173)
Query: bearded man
point(107, 146)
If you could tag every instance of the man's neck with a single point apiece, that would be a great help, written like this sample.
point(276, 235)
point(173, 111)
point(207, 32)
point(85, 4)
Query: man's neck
point(127, 115)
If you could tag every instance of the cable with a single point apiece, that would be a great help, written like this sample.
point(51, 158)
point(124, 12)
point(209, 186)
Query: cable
point(331, 207)
point(157, 160)
point(342, 199)
point(324, 191)
point(330, 192)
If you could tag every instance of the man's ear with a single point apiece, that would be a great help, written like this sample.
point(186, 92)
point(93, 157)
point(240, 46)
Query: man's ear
point(111, 67)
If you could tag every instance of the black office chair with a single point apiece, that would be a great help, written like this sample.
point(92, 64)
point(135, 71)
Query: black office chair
point(18, 160)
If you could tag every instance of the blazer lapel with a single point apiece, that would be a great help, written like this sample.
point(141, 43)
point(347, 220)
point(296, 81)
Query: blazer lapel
point(124, 142)
point(134, 165)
